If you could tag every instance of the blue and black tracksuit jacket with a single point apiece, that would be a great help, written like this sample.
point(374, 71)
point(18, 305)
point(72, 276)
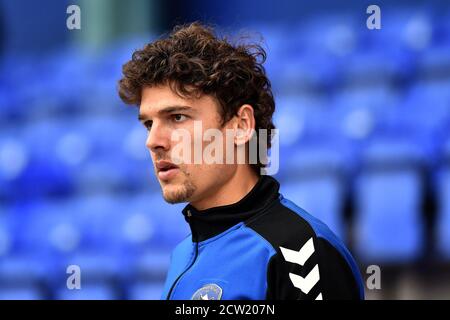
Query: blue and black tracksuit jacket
point(262, 247)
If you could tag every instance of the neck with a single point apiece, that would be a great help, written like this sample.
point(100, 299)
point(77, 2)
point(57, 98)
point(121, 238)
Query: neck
point(236, 188)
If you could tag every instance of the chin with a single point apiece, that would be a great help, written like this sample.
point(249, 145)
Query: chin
point(176, 193)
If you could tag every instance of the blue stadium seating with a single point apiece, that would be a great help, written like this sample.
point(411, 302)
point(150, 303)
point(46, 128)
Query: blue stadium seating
point(21, 293)
point(322, 197)
point(358, 111)
point(92, 291)
point(388, 200)
point(443, 218)
point(145, 291)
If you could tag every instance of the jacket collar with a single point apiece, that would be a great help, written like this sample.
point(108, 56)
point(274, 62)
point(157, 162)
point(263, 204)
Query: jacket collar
point(210, 222)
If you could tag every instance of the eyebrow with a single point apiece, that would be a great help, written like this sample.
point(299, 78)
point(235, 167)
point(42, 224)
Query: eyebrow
point(167, 110)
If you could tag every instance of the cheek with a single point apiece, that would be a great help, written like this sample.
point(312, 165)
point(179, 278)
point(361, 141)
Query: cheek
point(210, 173)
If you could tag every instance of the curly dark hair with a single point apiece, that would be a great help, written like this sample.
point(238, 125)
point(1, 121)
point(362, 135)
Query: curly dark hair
point(194, 61)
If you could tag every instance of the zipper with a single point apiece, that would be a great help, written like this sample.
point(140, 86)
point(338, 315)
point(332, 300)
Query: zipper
point(194, 239)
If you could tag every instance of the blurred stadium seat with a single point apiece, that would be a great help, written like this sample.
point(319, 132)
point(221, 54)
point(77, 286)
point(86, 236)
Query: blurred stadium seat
point(388, 200)
point(443, 220)
point(314, 178)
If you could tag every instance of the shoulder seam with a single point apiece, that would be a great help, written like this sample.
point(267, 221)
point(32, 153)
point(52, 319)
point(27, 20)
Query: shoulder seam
point(273, 253)
point(266, 242)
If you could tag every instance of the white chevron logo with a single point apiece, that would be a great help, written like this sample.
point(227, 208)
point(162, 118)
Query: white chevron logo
point(300, 257)
point(307, 283)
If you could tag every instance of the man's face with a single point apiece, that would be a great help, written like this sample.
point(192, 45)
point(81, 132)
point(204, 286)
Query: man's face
point(163, 112)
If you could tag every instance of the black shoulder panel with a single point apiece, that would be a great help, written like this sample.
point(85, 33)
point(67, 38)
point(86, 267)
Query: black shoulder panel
point(305, 266)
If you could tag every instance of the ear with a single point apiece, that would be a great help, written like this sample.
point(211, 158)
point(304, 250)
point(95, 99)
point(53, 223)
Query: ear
point(244, 124)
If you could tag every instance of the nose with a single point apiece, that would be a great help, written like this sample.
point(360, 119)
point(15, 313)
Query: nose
point(158, 138)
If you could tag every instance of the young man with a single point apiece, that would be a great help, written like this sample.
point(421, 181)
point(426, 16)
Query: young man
point(247, 241)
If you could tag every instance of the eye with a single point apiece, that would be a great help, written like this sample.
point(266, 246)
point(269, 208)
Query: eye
point(148, 124)
point(179, 117)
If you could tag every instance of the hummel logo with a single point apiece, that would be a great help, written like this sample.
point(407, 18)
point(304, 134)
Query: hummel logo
point(300, 257)
point(307, 283)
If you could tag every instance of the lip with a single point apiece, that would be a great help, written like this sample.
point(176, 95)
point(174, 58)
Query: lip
point(168, 174)
point(166, 169)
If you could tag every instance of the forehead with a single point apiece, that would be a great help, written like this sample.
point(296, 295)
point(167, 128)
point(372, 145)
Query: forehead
point(155, 99)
